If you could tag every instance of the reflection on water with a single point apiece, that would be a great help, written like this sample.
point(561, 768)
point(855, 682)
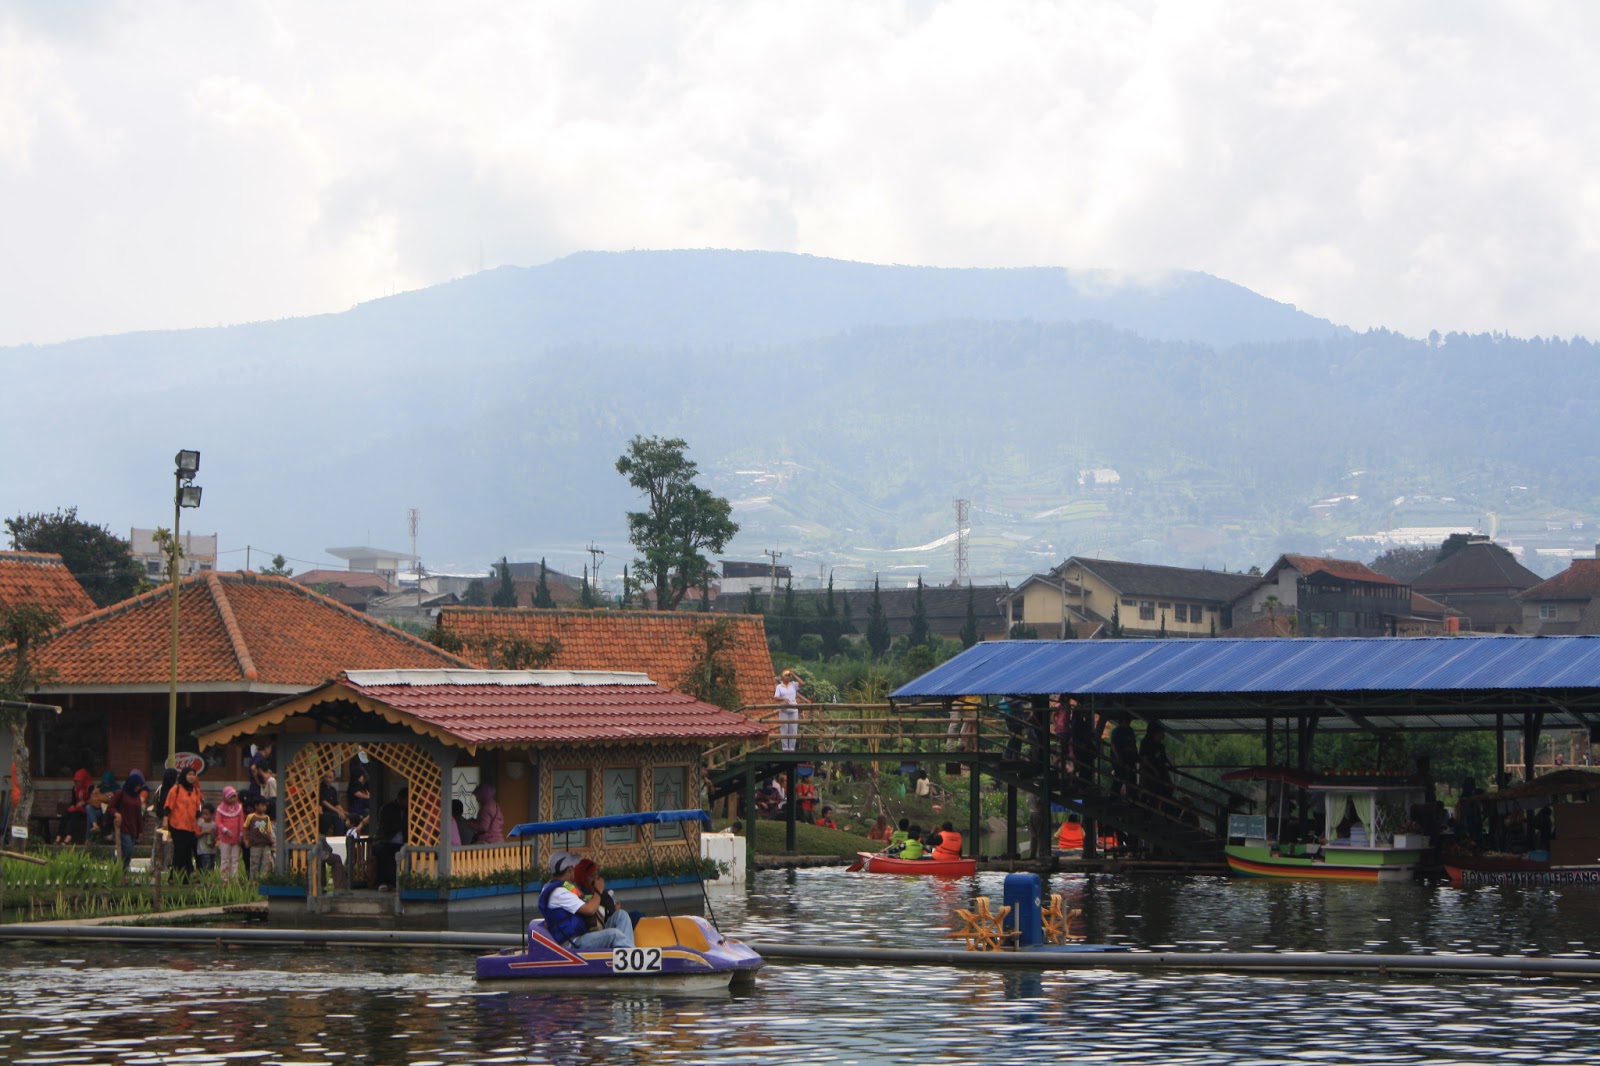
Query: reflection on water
point(93, 1004)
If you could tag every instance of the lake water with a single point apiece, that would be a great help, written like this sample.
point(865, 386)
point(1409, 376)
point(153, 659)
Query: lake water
point(82, 1004)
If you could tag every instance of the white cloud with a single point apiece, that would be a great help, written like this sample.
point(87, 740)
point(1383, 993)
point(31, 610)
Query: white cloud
point(167, 165)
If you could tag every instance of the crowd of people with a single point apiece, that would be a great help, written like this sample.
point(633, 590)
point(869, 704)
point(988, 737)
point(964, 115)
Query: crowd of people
point(237, 834)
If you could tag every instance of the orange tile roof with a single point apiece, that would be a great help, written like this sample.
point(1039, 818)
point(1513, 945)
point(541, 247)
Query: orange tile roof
point(42, 578)
point(240, 630)
point(662, 644)
point(1345, 568)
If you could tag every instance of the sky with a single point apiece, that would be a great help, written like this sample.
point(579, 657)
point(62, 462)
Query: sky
point(1422, 166)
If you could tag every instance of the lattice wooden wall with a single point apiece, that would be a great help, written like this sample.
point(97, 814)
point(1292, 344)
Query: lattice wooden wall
point(424, 784)
point(644, 759)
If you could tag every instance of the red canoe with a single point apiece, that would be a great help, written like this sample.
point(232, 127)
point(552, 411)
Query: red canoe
point(885, 864)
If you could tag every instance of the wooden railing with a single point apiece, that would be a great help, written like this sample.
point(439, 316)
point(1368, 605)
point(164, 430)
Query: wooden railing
point(474, 860)
point(872, 729)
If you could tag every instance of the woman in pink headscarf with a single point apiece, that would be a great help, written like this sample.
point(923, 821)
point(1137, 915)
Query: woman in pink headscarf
point(490, 823)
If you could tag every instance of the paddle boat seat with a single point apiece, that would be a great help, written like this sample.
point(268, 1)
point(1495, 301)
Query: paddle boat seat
point(663, 932)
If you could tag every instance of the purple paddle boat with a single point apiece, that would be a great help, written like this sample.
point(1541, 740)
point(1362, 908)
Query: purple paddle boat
point(670, 953)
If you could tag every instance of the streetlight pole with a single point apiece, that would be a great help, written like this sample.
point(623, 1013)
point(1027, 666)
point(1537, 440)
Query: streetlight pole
point(184, 494)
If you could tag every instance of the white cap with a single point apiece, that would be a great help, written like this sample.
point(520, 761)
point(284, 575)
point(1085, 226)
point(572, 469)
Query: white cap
point(561, 861)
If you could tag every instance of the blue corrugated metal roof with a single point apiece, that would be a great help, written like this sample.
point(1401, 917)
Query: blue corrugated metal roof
point(1221, 666)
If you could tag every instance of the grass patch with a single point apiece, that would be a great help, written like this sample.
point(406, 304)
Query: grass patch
point(771, 839)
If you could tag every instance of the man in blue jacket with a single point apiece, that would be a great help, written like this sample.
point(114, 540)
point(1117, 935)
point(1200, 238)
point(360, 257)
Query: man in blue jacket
point(572, 905)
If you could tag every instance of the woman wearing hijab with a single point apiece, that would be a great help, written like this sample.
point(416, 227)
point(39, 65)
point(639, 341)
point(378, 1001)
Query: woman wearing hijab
point(75, 826)
point(490, 823)
point(230, 832)
point(182, 820)
point(127, 814)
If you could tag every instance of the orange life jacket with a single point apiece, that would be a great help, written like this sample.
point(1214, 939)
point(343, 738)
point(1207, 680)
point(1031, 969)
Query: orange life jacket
point(1071, 836)
point(949, 846)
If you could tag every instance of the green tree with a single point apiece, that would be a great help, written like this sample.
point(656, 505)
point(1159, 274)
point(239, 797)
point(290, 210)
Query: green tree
point(919, 619)
point(877, 623)
point(542, 597)
point(477, 593)
point(1406, 563)
point(625, 601)
point(682, 521)
point(505, 593)
point(1116, 620)
point(586, 596)
point(969, 628)
point(279, 568)
point(100, 560)
point(713, 675)
point(22, 625)
point(1023, 631)
point(1067, 632)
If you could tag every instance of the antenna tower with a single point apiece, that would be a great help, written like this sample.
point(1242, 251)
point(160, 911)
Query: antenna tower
point(595, 555)
point(413, 519)
point(961, 542)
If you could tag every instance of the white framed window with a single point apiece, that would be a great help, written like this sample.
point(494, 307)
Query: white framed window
point(1547, 612)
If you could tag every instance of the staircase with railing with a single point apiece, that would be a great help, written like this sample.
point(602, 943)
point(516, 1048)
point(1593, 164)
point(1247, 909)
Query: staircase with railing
point(1182, 816)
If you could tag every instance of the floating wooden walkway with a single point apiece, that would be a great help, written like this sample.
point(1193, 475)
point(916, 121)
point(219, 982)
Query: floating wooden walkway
point(1067, 957)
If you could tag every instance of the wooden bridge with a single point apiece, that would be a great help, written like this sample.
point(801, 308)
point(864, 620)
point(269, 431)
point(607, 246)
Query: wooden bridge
point(1183, 818)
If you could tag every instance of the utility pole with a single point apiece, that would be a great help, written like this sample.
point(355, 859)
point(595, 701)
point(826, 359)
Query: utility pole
point(773, 555)
point(595, 554)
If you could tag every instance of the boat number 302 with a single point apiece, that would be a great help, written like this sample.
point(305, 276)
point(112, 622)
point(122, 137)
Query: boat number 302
point(636, 960)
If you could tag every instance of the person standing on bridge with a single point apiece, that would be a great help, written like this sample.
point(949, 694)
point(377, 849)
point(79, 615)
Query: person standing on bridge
point(787, 693)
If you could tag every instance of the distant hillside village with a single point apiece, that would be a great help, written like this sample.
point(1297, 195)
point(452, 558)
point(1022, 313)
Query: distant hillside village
point(1474, 586)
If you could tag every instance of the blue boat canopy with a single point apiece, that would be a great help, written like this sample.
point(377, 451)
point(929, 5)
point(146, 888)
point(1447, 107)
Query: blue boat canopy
point(574, 825)
point(1226, 684)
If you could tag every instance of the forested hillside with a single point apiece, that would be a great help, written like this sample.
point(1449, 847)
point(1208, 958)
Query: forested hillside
point(842, 406)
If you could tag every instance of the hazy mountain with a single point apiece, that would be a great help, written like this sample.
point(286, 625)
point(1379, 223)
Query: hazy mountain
point(842, 405)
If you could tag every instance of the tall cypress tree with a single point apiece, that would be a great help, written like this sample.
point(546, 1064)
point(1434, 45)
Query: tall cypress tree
point(1116, 620)
point(969, 629)
point(877, 623)
point(829, 624)
point(586, 594)
point(920, 637)
point(505, 594)
point(626, 600)
point(789, 621)
point(542, 597)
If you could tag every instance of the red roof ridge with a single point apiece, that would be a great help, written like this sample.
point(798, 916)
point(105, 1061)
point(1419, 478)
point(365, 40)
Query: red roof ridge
point(230, 624)
point(47, 558)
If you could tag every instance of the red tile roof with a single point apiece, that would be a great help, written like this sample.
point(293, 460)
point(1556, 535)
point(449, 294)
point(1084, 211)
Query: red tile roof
point(1345, 568)
point(239, 630)
point(350, 579)
point(1580, 581)
point(42, 578)
point(662, 644)
point(500, 708)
